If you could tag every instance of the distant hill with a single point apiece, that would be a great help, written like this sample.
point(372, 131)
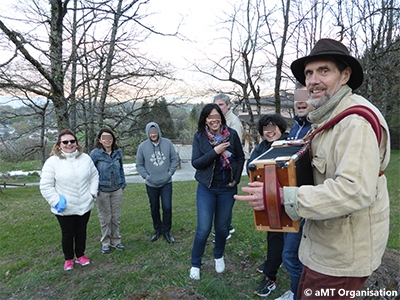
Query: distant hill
point(16, 102)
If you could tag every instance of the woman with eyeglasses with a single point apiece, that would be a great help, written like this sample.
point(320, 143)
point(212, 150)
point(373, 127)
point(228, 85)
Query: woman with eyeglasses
point(69, 183)
point(217, 156)
point(107, 158)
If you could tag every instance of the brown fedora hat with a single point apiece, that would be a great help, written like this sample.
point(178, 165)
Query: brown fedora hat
point(329, 47)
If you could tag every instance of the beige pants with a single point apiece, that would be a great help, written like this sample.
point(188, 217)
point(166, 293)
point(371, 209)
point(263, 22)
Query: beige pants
point(109, 211)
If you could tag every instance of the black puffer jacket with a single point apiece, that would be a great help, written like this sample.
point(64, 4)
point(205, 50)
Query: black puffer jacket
point(204, 158)
point(264, 146)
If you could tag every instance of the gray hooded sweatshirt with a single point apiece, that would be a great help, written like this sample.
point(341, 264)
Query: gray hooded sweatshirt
point(156, 163)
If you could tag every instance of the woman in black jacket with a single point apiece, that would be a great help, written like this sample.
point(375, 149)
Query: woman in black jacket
point(218, 158)
point(271, 127)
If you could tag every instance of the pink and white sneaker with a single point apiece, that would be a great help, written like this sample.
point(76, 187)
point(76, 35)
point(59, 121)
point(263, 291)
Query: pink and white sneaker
point(69, 264)
point(83, 260)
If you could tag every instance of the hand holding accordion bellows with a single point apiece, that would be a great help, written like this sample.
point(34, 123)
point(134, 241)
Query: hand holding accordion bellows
point(255, 195)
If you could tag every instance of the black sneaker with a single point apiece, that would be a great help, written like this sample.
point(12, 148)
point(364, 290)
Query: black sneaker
point(260, 268)
point(118, 247)
point(105, 249)
point(155, 236)
point(265, 288)
point(169, 238)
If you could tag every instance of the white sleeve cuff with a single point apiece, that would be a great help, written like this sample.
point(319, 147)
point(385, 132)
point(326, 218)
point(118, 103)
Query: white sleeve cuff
point(291, 204)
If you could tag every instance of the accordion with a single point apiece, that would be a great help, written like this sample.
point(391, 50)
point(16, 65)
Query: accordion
point(286, 163)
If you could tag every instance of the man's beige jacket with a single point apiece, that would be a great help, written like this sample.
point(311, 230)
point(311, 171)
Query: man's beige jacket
point(347, 210)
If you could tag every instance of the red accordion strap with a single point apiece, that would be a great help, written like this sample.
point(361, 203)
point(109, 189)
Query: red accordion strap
point(272, 199)
point(361, 110)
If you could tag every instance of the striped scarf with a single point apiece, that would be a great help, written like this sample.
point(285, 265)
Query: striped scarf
point(216, 139)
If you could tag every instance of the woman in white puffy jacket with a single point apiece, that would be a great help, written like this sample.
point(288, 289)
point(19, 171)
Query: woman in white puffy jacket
point(69, 182)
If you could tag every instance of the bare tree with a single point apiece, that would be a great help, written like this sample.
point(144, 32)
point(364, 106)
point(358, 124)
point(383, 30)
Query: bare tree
point(112, 68)
point(379, 52)
point(30, 137)
point(50, 82)
point(278, 42)
point(243, 65)
point(88, 65)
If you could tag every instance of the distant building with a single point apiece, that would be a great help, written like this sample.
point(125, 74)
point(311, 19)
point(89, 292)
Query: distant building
point(6, 131)
point(267, 106)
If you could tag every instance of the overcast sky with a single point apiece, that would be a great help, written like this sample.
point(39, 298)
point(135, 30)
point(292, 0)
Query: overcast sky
point(197, 21)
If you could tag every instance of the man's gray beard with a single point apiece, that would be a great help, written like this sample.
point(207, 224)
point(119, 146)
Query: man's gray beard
point(319, 103)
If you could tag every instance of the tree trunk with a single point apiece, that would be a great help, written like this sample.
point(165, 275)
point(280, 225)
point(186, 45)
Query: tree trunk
point(58, 10)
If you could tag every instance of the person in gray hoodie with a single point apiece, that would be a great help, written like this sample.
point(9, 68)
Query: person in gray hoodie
point(156, 162)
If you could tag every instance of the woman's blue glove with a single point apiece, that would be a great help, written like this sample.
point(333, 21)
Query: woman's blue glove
point(62, 203)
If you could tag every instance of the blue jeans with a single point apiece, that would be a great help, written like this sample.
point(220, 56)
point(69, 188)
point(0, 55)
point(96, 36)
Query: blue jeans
point(165, 193)
point(214, 203)
point(290, 257)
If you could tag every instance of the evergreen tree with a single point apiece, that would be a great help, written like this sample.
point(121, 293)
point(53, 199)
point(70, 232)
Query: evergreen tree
point(145, 116)
point(161, 115)
point(194, 117)
point(381, 83)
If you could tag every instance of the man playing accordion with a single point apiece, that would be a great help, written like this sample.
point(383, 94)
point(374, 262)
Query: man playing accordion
point(347, 208)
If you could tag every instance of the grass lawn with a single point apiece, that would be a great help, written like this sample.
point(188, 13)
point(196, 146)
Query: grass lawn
point(31, 264)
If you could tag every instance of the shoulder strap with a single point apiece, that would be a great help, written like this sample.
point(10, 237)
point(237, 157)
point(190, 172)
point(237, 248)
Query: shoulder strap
point(361, 110)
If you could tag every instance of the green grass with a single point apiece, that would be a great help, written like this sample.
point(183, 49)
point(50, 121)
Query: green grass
point(32, 260)
point(393, 178)
point(30, 165)
point(31, 256)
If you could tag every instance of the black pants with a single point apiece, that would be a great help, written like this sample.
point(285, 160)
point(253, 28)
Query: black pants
point(274, 255)
point(165, 193)
point(73, 229)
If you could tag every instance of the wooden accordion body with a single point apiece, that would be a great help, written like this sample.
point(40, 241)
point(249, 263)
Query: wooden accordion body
point(286, 163)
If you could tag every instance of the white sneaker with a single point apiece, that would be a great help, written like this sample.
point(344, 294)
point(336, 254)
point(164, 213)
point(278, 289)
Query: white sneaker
point(195, 273)
point(228, 237)
point(219, 265)
point(288, 295)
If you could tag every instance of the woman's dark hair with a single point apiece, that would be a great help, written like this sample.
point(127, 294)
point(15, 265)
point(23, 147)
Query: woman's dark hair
point(114, 145)
point(205, 112)
point(274, 119)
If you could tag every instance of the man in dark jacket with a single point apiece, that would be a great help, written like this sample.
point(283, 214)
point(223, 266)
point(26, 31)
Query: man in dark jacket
point(301, 109)
point(290, 251)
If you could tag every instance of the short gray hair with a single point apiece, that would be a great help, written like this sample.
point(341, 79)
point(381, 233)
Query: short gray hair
point(224, 97)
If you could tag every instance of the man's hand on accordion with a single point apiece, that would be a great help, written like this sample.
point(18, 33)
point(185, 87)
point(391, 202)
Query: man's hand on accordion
point(255, 195)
